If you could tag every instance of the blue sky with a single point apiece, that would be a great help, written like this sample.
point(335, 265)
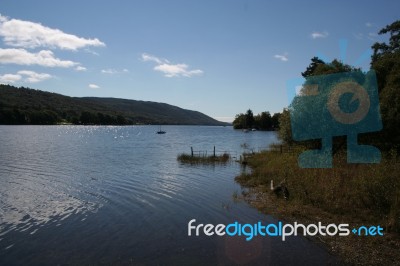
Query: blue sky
point(216, 57)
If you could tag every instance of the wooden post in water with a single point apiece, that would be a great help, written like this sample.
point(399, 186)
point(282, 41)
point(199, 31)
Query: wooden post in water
point(214, 151)
point(281, 148)
point(191, 148)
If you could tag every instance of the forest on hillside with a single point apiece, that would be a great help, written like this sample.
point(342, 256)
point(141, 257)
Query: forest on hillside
point(25, 106)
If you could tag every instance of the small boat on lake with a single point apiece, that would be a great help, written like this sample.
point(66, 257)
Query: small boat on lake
point(161, 131)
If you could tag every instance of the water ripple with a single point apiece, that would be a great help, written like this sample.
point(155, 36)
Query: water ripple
point(92, 194)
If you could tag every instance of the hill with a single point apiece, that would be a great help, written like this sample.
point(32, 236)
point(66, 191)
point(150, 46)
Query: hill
point(35, 107)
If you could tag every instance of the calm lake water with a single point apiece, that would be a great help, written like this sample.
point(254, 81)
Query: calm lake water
point(88, 195)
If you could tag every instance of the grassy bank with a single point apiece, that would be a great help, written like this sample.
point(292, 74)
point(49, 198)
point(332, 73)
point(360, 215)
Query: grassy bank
point(358, 194)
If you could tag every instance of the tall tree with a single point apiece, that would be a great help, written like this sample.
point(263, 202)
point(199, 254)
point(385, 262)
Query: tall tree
point(386, 63)
point(315, 62)
point(275, 121)
point(285, 128)
point(240, 121)
point(249, 119)
point(306, 113)
point(382, 49)
point(263, 121)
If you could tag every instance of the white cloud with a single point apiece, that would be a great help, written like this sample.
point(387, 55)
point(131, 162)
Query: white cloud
point(109, 71)
point(316, 34)
point(177, 70)
point(33, 77)
point(94, 86)
point(9, 78)
point(92, 52)
point(282, 57)
point(42, 58)
point(370, 36)
point(369, 24)
point(171, 70)
point(3, 18)
point(26, 34)
point(80, 68)
point(114, 71)
point(27, 76)
point(147, 57)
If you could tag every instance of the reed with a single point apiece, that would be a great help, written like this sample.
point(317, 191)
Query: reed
point(203, 159)
point(345, 188)
point(352, 193)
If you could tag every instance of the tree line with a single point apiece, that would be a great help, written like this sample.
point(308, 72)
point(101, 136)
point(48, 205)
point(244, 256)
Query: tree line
point(261, 121)
point(48, 117)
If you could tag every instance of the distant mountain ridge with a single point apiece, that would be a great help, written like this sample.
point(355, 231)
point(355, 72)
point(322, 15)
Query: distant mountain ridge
point(30, 106)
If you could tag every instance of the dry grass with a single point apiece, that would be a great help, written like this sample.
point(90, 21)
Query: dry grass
point(358, 194)
point(187, 158)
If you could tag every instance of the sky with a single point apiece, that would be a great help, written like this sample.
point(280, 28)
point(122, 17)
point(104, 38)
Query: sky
point(219, 57)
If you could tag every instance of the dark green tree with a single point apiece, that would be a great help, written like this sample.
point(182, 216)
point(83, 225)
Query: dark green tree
point(249, 119)
point(275, 121)
point(240, 121)
point(315, 62)
point(285, 128)
point(382, 49)
point(263, 121)
point(88, 118)
point(121, 120)
point(386, 63)
point(301, 113)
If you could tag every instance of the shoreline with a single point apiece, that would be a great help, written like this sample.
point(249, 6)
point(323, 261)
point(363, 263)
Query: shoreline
point(351, 250)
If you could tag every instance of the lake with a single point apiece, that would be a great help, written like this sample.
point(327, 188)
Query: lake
point(89, 195)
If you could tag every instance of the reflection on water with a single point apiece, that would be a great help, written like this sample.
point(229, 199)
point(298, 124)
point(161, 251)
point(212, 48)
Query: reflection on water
point(117, 195)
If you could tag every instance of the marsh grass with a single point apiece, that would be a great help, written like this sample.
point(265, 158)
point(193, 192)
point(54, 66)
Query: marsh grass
point(351, 193)
point(372, 189)
point(204, 159)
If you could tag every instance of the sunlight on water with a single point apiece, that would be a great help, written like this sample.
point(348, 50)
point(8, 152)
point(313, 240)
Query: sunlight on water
point(94, 193)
